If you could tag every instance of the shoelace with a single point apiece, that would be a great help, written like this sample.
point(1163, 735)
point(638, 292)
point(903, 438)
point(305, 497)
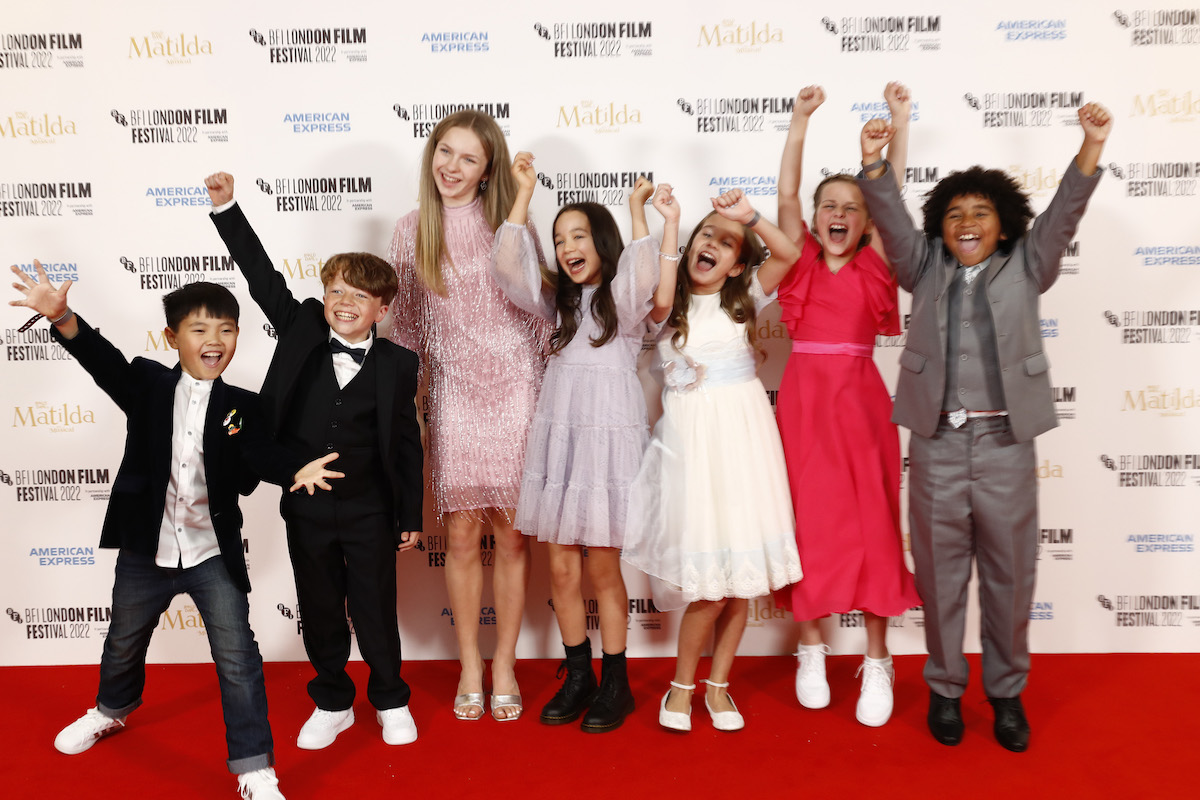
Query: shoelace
point(874, 676)
point(251, 781)
point(99, 721)
point(810, 660)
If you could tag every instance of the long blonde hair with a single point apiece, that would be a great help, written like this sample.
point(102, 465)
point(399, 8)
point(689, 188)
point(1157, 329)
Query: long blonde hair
point(497, 197)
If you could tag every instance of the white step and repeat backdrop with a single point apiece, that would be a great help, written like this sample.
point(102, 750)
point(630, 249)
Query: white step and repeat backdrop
point(111, 115)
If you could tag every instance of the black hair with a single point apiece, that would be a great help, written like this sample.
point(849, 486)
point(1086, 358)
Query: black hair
point(997, 186)
point(191, 298)
point(568, 294)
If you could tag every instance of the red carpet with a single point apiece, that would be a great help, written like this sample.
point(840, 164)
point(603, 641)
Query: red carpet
point(1103, 726)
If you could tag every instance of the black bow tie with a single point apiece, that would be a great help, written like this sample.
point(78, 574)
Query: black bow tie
point(357, 353)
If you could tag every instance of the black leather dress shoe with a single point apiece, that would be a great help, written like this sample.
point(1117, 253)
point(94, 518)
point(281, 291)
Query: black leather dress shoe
point(945, 719)
point(1011, 728)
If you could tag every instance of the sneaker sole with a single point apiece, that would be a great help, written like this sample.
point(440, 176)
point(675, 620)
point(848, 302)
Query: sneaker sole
point(88, 744)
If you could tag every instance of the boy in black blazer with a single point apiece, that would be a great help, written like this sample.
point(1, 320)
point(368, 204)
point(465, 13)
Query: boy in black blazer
point(174, 513)
point(334, 386)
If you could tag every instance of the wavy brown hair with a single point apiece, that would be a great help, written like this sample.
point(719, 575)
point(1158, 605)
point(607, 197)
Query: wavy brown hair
point(735, 293)
point(497, 198)
point(568, 294)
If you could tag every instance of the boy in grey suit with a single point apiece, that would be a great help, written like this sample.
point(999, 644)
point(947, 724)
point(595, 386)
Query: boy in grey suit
point(974, 389)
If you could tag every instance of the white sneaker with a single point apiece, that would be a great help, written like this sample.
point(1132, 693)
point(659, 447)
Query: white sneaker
point(399, 727)
point(875, 698)
point(259, 785)
point(323, 727)
point(86, 731)
point(812, 690)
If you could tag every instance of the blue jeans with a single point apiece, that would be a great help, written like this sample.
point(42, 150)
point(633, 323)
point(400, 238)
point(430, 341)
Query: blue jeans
point(142, 591)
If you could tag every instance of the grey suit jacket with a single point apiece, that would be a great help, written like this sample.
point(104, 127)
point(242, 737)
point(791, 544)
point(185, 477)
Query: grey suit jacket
point(1013, 283)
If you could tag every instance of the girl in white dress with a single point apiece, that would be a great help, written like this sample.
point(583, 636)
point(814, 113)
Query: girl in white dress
point(710, 511)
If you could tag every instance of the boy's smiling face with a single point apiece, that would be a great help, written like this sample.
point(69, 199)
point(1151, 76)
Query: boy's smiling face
point(971, 229)
point(206, 344)
point(351, 311)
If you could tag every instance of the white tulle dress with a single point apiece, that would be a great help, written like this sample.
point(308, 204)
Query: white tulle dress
point(710, 511)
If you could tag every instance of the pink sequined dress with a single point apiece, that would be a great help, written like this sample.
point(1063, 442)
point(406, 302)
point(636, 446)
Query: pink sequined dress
point(590, 428)
point(484, 360)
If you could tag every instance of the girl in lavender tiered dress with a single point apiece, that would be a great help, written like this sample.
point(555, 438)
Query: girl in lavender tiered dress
point(484, 361)
point(590, 428)
point(710, 516)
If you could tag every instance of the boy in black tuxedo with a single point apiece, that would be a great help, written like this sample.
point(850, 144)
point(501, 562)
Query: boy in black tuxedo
point(174, 511)
point(334, 386)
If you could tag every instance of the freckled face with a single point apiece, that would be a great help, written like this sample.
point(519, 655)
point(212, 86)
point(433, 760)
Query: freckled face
point(971, 229)
point(459, 164)
point(713, 254)
point(351, 311)
point(206, 344)
point(575, 248)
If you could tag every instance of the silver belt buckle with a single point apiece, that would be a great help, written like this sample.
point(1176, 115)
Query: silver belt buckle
point(957, 418)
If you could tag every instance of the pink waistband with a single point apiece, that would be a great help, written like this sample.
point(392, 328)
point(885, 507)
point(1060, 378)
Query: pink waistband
point(833, 348)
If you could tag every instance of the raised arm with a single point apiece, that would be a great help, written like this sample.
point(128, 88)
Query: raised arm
point(516, 262)
point(905, 246)
point(899, 103)
point(668, 253)
point(642, 190)
point(267, 286)
point(1097, 125)
point(791, 208)
point(45, 299)
point(784, 251)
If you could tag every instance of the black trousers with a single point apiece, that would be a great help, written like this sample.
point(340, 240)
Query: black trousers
point(344, 558)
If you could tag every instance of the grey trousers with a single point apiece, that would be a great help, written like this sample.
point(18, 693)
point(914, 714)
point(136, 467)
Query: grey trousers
point(973, 493)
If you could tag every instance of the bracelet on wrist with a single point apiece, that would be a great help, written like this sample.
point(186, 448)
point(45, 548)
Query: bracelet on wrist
point(872, 167)
point(668, 256)
point(754, 220)
point(66, 317)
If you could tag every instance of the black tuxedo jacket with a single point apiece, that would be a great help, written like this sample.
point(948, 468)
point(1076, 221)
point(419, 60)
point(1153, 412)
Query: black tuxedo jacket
point(145, 390)
point(301, 328)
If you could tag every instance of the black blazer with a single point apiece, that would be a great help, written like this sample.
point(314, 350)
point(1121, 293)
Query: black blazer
point(145, 390)
point(301, 328)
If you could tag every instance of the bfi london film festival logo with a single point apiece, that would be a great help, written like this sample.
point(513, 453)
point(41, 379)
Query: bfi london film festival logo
point(1152, 610)
point(57, 485)
point(606, 187)
point(1056, 544)
point(1176, 255)
point(598, 40)
point(33, 344)
point(1173, 326)
point(893, 33)
point(173, 125)
point(855, 619)
point(598, 116)
point(39, 51)
point(1147, 179)
point(737, 114)
point(1168, 470)
point(434, 547)
point(292, 614)
point(46, 199)
point(1161, 27)
point(1066, 400)
point(314, 46)
point(644, 615)
point(160, 273)
point(168, 48)
point(329, 194)
point(62, 622)
point(36, 127)
point(424, 117)
point(1026, 109)
point(1032, 29)
point(740, 36)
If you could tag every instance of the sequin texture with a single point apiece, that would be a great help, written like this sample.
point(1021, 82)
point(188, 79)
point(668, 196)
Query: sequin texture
point(484, 360)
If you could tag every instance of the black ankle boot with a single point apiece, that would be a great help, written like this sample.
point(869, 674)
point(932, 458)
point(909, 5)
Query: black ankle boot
point(578, 689)
point(614, 701)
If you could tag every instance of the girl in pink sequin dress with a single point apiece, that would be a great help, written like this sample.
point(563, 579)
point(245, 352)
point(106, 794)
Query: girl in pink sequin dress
point(484, 361)
point(590, 428)
point(842, 450)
